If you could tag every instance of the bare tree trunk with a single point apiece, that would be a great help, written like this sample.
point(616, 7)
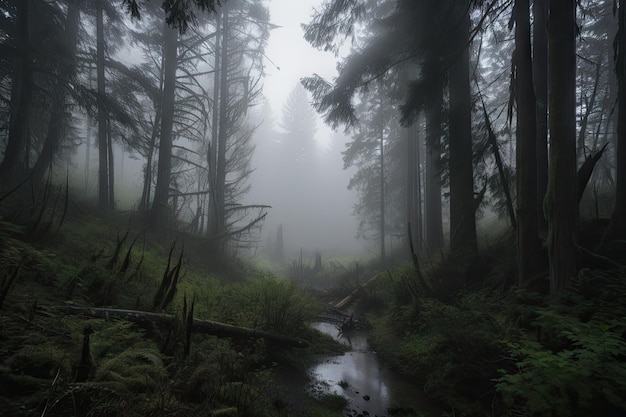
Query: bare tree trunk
point(103, 150)
point(540, 78)
point(144, 202)
point(562, 190)
point(382, 182)
point(619, 212)
point(432, 192)
point(160, 208)
point(411, 180)
point(462, 207)
point(15, 163)
point(417, 191)
point(111, 166)
point(212, 151)
point(220, 176)
point(528, 247)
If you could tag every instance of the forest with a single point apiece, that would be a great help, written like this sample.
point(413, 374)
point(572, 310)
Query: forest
point(435, 226)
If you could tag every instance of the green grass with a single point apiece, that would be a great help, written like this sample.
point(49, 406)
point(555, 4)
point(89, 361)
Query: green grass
point(140, 371)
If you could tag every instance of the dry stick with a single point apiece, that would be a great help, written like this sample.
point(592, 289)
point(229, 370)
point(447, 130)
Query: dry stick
point(144, 318)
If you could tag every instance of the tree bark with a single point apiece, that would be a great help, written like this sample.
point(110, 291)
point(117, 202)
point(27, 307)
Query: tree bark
point(160, 208)
point(103, 149)
point(411, 204)
point(432, 188)
point(15, 162)
point(212, 151)
point(462, 215)
point(382, 182)
point(528, 247)
point(540, 79)
point(562, 205)
point(619, 212)
point(222, 137)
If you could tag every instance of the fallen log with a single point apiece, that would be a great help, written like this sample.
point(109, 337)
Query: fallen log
point(144, 318)
point(348, 299)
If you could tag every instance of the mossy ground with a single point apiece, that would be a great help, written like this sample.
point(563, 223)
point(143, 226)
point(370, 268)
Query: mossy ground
point(109, 259)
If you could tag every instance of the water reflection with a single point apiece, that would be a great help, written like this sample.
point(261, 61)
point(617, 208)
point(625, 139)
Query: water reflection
point(359, 376)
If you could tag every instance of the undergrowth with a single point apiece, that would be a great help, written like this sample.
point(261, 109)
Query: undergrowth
point(500, 350)
point(106, 260)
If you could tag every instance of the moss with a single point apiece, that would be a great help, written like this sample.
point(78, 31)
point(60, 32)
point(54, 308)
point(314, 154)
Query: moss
point(133, 370)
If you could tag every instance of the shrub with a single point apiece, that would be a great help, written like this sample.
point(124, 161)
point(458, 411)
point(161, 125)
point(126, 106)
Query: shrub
point(586, 376)
point(280, 306)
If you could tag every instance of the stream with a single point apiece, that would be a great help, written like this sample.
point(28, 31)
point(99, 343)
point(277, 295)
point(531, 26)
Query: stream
point(359, 376)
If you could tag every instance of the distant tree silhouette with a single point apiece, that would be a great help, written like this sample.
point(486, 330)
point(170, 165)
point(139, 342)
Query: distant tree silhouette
point(279, 246)
point(299, 124)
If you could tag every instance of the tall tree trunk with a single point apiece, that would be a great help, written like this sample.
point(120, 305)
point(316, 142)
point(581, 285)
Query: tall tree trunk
point(462, 207)
point(619, 212)
point(223, 131)
point(212, 151)
point(417, 190)
point(87, 150)
point(382, 184)
point(160, 208)
point(144, 202)
point(562, 190)
point(528, 247)
point(111, 165)
point(103, 149)
point(432, 192)
point(411, 180)
point(540, 78)
point(58, 114)
point(15, 163)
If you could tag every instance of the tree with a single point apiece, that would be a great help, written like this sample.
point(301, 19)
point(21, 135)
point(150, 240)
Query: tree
point(526, 140)
point(160, 215)
point(619, 212)
point(244, 33)
point(540, 80)
point(561, 198)
point(366, 152)
point(432, 188)
point(14, 165)
point(178, 14)
point(62, 87)
point(279, 246)
point(299, 124)
point(404, 34)
point(462, 207)
point(104, 191)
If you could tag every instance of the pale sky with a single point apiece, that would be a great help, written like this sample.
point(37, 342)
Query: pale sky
point(288, 50)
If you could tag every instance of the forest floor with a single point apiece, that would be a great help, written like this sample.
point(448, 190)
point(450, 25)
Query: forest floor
point(83, 257)
point(484, 346)
point(480, 344)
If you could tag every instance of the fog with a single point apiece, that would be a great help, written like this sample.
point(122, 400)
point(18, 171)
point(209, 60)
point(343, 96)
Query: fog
point(316, 215)
point(312, 203)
